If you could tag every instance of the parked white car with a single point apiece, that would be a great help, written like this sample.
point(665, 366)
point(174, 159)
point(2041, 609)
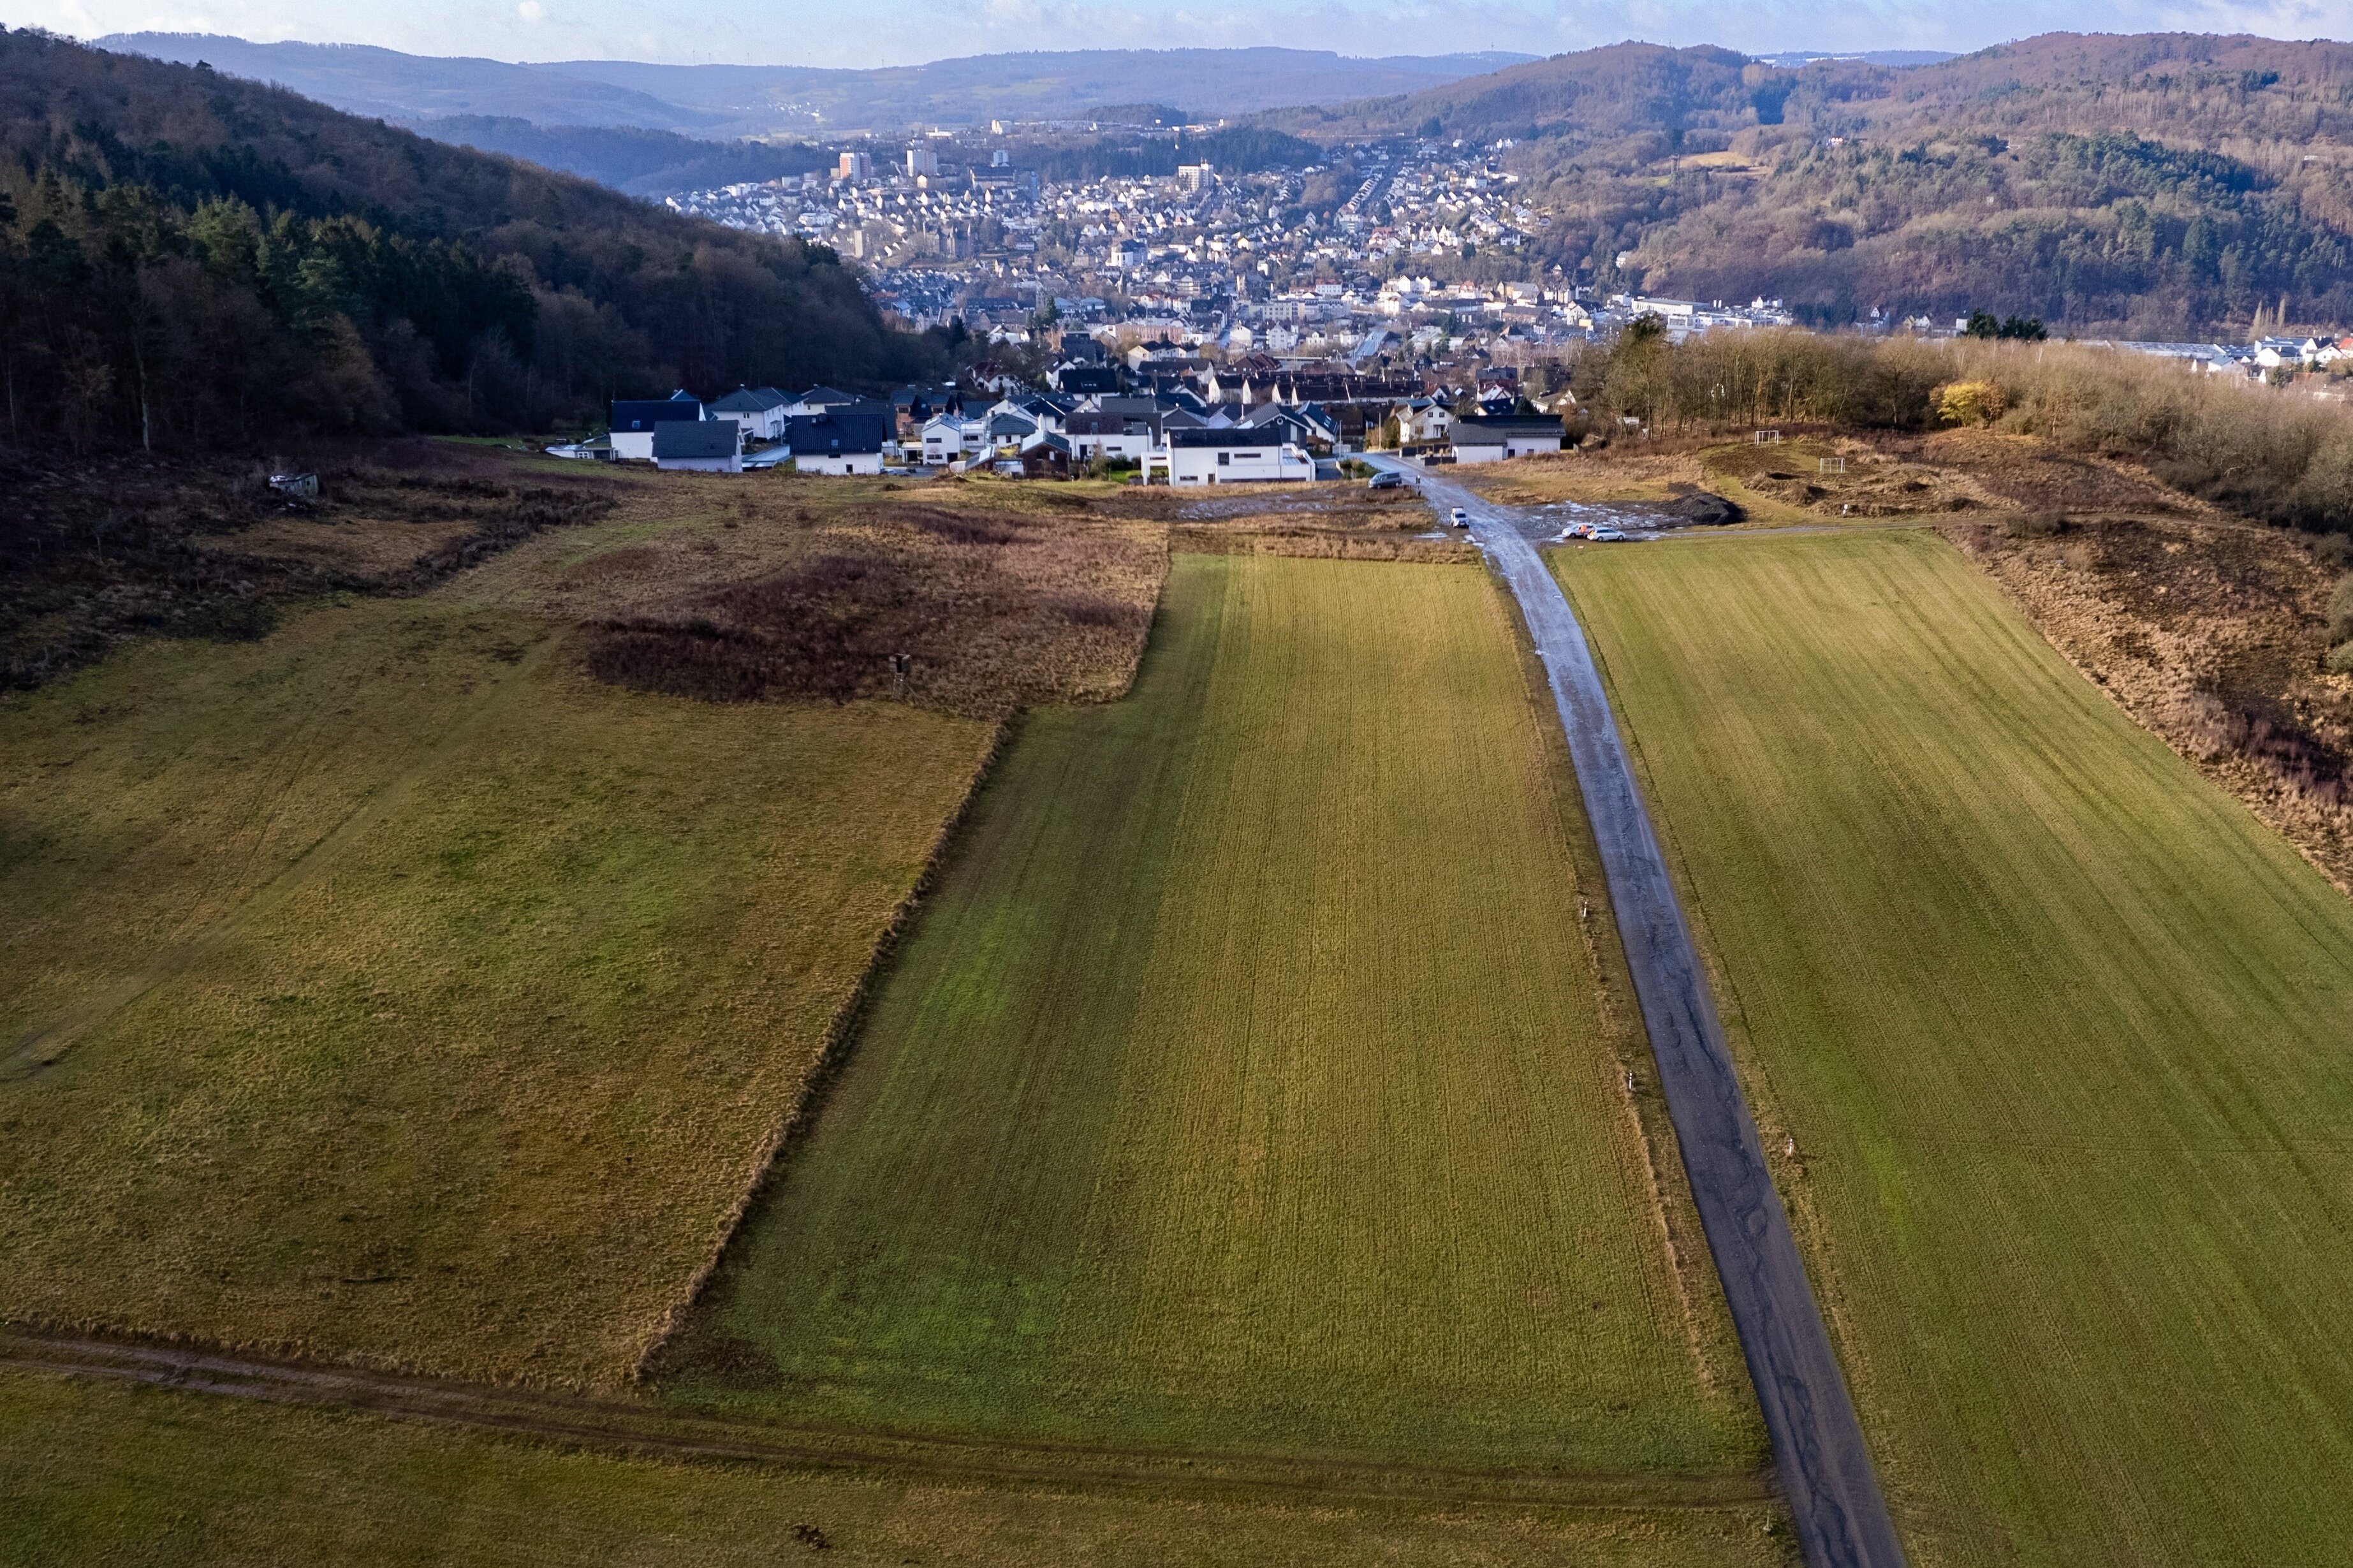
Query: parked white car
point(1459, 518)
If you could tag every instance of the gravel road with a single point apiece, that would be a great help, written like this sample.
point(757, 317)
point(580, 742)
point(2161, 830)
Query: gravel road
point(1818, 1445)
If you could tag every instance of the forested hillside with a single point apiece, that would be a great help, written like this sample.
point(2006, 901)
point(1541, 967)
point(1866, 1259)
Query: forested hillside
point(2156, 186)
point(631, 159)
point(187, 260)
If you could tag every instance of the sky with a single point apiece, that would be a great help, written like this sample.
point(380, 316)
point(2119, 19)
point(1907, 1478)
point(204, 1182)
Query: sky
point(905, 32)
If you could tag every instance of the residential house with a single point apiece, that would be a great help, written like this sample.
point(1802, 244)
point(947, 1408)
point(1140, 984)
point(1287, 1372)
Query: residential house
point(1424, 420)
point(1229, 456)
point(1310, 432)
point(1006, 434)
point(840, 443)
point(760, 413)
point(950, 438)
point(1046, 413)
point(634, 420)
point(913, 406)
point(1491, 438)
point(1110, 437)
point(699, 446)
point(1048, 457)
point(1080, 380)
point(817, 400)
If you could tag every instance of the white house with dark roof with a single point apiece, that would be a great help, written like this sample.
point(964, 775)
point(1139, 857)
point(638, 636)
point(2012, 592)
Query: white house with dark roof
point(1491, 439)
point(634, 418)
point(759, 410)
point(836, 443)
point(1235, 455)
point(699, 446)
point(817, 400)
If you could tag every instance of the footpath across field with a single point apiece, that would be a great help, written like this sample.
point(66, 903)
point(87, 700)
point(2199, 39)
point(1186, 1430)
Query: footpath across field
point(1249, 1085)
point(2057, 1030)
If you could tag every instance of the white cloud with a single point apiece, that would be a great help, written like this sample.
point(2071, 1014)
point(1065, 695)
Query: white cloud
point(531, 11)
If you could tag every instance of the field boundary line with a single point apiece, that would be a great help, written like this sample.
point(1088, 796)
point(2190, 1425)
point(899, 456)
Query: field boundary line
point(641, 1428)
point(45, 1047)
point(832, 1053)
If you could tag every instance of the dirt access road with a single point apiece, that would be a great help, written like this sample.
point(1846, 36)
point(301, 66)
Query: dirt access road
point(1818, 1445)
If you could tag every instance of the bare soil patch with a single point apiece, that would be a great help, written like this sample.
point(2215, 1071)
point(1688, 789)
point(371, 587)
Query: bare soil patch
point(1339, 523)
point(810, 590)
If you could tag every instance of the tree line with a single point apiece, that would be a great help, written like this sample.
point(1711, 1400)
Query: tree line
point(2261, 451)
point(188, 260)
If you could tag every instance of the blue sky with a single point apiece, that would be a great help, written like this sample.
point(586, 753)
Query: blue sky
point(901, 32)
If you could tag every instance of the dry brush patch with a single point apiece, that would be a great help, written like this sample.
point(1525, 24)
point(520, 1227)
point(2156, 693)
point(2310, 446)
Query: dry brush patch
point(769, 587)
point(95, 553)
point(1321, 522)
point(995, 608)
point(1819, 473)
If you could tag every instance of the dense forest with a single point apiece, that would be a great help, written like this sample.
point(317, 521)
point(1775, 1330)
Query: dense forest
point(189, 260)
point(2158, 185)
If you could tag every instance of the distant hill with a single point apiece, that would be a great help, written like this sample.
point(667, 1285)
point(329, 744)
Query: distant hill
point(188, 258)
point(765, 100)
point(650, 163)
point(1611, 92)
point(1896, 59)
point(387, 85)
point(2154, 186)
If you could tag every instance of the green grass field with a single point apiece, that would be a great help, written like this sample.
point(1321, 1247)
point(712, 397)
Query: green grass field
point(2059, 1028)
point(406, 996)
point(96, 1472)
point(1249, 1085)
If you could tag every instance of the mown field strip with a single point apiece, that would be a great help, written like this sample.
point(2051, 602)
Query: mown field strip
point(2057, 1027)
point(1244, 1085)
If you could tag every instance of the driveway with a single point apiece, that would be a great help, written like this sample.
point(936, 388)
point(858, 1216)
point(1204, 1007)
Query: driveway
point(1818, 1445)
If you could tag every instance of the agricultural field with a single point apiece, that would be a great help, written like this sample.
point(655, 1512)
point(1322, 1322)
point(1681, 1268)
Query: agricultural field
point(2057, 1027)
point(1251, 1084)
point(420, 985)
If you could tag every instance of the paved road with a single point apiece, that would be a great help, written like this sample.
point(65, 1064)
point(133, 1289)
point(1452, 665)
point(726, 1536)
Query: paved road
point(1841, 1516)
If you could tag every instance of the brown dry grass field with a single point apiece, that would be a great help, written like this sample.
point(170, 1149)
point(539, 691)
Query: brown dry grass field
point(1329, 521)
point(391, 988)
point(1885, 476)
